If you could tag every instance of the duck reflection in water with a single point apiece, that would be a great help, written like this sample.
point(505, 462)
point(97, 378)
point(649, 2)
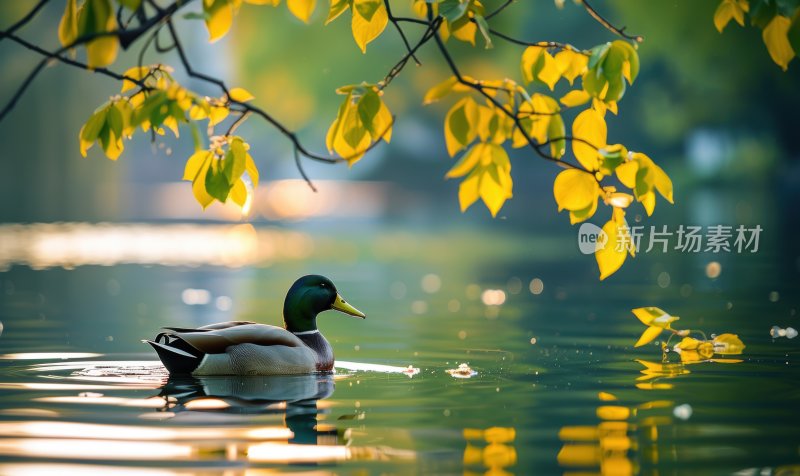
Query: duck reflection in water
point(294, 396)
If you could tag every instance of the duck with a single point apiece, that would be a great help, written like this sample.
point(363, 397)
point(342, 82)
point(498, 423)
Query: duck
point(250, 348)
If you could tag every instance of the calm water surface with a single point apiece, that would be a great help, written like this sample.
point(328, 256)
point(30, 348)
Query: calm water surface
point(557, 386)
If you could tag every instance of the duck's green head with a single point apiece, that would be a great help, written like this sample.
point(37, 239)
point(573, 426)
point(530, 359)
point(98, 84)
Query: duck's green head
point(309, 296)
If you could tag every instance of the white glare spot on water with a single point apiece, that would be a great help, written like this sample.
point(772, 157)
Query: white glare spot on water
point(431, 283)
point(774, 296)
point(493, 297)
point(224, 303)
point(791, 332)
point(419, 307)
point(472, 291)
point(729, 305)
point(536, 286)
point(109, 338)
point(446, 412)
point(663, 279)
point(514, 285)
point(1, 328)
point(683, 412)
point(356, 348)
point(397, 290)
point(195, 297)
point(533, 340)
point(713, 269)
point(462, 335)
point(454, 305)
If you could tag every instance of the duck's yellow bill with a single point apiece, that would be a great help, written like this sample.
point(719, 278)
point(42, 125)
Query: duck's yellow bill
point(341, 305)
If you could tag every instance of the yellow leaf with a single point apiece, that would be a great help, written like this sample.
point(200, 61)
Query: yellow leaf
point(460, 125)
point(578, 216)
point(383, 123)
point(727, 10)
point(68, 26)
point(537, 63)
point(337, 8)
point(606, 397)
point(649, 202)
point(137, 73)
point(467, 162)
point(611, 254)
point(571, 64)
point(240, 95)
point(591, 128)
point(219, 18)
point(302, 9)
point(662, 182)
point(251, 169)
point(468, 190)
point(626, 173)
point(102, 51)
point(217, 114)
point(777, 41)
point(195, 164)
point(440, 90)
point(654, 317)
point(575, 190)
point(648, 336)
point(365, 30)
point(238, 193)
point(466, 33)
point(576, 97)
point(274, 3)
point(492, 193)
point(420, 8)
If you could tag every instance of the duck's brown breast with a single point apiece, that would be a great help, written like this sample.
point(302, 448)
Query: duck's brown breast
point(319, 344)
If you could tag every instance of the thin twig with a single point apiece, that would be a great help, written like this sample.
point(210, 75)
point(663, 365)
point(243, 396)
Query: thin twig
point(24, 20)
point(617, 31)
point(499, 9)
point(400, 31)
point(302, 170)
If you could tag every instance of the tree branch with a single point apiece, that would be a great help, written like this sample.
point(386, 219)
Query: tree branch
point(24, 20)
point(398, 67)
point(400, 31)
point(608, 25)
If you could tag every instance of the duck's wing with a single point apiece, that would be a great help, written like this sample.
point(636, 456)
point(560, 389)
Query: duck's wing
point(215, 341)
point(210, 327)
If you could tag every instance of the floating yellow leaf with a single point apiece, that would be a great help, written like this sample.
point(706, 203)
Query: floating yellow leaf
point(369, 21)
point(302, 9)
point(776, 38)
point(575, 190)
point(606, 397)
point(728, 344)
point(590, 130)
point(653, 316)
point(648, 335)
point(613, 412)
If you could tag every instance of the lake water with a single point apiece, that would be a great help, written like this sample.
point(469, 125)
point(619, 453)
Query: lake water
point(555, 385)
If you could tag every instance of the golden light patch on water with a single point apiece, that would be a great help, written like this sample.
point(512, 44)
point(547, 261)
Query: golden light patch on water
point(47, 245)
point(133, 433)
point(93, 449)
point(45, 469)
point(152, 402)
point(49, 355)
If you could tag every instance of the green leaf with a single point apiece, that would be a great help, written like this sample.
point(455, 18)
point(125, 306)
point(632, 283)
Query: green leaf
point(453, 10)
point(367, 8)
point(132, 5)
point(598, 53)
point(368, 107)
point(217, 184)
point(483, 27)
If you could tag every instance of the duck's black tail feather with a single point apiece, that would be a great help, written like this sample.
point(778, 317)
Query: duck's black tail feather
point(177, 355)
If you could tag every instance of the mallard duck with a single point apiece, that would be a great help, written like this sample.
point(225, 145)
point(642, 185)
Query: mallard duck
point(248, 348)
